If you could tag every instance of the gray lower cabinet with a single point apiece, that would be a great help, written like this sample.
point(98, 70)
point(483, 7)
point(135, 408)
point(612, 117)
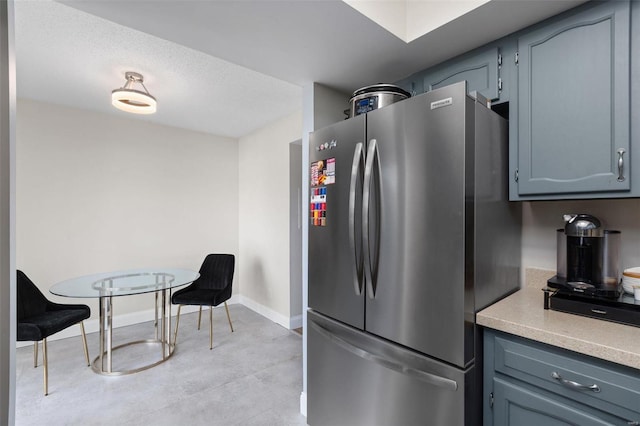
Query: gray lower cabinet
point(571, 119)
point(530, 383)
point(517, 405)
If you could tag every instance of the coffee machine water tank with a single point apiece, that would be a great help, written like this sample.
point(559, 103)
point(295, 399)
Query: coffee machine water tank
point(584, 249)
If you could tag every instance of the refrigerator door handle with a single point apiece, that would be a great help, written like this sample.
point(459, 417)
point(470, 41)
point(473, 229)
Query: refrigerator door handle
point(393, 365)
point(356, 167)
point(372, 155)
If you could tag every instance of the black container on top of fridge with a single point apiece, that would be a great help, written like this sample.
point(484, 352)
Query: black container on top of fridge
point(411, 233)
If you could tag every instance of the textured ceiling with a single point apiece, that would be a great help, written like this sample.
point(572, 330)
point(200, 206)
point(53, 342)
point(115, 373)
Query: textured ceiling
point(75, 52)
point(69, 57)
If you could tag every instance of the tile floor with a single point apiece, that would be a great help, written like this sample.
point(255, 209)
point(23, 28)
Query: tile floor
point(251, 377)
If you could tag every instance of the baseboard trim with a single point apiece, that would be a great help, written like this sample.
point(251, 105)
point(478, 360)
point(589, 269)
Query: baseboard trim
point(295, 322)
point(278, 318)
point(303, 403)
point(92, 325)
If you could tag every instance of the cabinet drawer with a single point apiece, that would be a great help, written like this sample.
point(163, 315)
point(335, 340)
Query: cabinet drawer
point(517, 405)
point(611, 388)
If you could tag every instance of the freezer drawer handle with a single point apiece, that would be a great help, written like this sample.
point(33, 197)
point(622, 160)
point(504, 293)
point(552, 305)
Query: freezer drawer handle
point(433, 379)
point(575, 385)
point(356, 167)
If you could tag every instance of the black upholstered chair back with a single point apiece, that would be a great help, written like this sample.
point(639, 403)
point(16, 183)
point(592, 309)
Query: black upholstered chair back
point(216, 273)
point(39, 318)
point(30, 299)
point(212, 288)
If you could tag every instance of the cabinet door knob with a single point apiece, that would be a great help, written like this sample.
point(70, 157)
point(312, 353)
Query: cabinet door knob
point(621, 152)
point(575, 385)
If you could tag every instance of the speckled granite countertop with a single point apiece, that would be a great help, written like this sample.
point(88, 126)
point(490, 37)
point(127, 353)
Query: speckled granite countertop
point(522, 314)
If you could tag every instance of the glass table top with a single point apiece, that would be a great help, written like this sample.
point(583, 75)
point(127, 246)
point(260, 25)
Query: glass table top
point(124, 283)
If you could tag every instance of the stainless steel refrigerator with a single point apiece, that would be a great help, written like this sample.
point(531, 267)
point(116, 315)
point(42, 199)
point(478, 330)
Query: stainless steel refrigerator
point(411, 233)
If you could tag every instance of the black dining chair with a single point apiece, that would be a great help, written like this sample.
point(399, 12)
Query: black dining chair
point(39, 318)
point(212, 288)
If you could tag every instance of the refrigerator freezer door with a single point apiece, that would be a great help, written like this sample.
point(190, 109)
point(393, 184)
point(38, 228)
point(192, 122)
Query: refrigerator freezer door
point(357, 379)
point(336, 279)
point(417, 228)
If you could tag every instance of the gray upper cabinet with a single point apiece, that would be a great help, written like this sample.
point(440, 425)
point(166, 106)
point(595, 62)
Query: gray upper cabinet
point(479, 69)
point(570, 87)
point(571, 120)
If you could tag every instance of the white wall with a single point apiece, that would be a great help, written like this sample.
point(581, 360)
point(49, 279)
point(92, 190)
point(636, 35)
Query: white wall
point(100, 192)
point(328, 106)
point(264, 216)
point(542, 218)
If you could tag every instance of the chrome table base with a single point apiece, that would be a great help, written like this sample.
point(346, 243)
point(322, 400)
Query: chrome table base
point(103, 363)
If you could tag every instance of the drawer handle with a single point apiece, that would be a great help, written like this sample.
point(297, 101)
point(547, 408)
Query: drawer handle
point(575, 385)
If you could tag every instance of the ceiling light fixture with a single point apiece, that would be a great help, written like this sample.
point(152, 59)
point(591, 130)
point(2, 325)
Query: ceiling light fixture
point(131, 100)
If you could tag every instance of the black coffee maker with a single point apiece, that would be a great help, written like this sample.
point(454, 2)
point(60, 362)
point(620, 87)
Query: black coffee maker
point(588, 257)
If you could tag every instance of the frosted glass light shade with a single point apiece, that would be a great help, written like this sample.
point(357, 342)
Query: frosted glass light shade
point(129, 99)
point(133, 101)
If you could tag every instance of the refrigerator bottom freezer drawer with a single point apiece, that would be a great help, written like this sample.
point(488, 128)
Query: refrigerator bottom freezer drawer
point(357, 379)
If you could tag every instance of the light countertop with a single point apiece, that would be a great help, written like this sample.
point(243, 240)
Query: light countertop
point(522, 314)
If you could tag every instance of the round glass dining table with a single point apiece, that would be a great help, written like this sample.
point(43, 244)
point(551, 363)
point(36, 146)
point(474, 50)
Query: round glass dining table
point(107, 285)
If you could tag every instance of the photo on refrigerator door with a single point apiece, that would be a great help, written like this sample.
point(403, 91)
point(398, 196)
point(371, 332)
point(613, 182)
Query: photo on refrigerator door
point(323, 172)
point(318, 207)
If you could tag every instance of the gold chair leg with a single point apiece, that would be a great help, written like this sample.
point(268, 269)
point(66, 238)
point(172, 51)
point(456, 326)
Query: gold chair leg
point(210, 327)
point(228, 316)
point(175, 335)
point(35, 354)
point(84, 344)
point(46, 367)
point(199, 316)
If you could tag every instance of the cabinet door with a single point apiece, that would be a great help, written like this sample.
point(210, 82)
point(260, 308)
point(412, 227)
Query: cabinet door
point(518, 406)
point(573, 104)
point(479, 69)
